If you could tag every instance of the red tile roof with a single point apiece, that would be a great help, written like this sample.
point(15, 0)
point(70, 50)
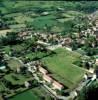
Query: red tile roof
point(42, 70)
point(47, 78)
point(57, 85)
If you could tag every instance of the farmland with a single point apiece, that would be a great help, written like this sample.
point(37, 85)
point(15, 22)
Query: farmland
point(18, 16)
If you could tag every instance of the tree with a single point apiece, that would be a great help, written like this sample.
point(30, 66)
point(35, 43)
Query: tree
point(1, 57)
point(89, 92)
point(74, 45)
point(11, 38)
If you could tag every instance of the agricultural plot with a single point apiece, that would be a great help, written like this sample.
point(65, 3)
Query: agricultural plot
point(22, 14)
point(23, 18)
point(42, 21)
point(62, 68)
point(17, 26)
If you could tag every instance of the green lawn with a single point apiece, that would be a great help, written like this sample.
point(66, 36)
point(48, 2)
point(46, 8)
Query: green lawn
point(14, 64)
point(17, 26)
point(6, 49)
point(62, 68)
point(41, 21)
point(2, 87)
point(18, 47)
point(23, 18)
point(34, 55)
point(41, 92)
point(16, 78)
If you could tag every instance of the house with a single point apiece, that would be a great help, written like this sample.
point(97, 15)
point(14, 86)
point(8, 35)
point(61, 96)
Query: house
point(42, 70)
point(85, 76)
point(25, 35)
point(91, 70)
point(57, 85)
point(26, 84)
point(32, 69)
point(45, 13)
point(66, 41)
point(96, 22)
point(68, 48)
point(96, 61)
point(94, 77)
point(94, 28)
point(2, 67)
point(81, 41)
point(96, 33)
point(88, 30)
point(47, 78)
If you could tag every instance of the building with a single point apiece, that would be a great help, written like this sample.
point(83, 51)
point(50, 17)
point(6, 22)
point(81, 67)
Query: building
point(94, 77)
point(27, 84)
point(57, 85)
point(47, 78)
point(42, 70)
point(96, 61)
point(96, 23)
point(94, 28)
point(2, 67)
point(66, 41)
point(25, 35)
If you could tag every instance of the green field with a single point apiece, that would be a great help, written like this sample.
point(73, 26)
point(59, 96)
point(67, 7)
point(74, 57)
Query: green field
point(16, 78)
point(28, 95)
point(41, 21)
point(62, 68)
point(34, 94)
point(22, 14)
point(14, 64)
point(2, 87)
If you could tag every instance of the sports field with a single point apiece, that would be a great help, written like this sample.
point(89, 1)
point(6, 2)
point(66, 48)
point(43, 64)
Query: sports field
point(62, 68)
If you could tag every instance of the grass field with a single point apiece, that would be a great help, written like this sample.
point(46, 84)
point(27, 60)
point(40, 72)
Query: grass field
point(2, 87)
point(41, 21)
point(22, 19)
point(16, 78)
point(34, 55)
point(62, 68)
point(28, 95)
point(14, 64)
point(33, 94)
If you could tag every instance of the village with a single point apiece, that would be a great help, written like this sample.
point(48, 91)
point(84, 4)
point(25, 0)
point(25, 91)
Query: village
point(49, 43)
point(46, 52)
